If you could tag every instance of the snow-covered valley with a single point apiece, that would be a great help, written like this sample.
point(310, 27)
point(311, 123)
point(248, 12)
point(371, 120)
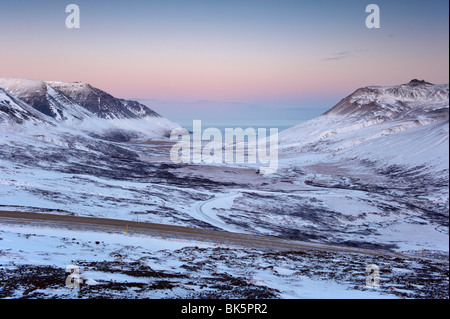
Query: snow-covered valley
point(372, 173)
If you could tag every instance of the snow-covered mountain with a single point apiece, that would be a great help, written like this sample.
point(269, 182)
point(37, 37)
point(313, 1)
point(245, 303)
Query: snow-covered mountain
point(368, 122)
point(383, 140)
point(103, 104)
point(80, 106)
point(402, 101)
point(46, 99)
point(13, 110)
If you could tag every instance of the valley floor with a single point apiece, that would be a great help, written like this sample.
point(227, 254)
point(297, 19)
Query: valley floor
point(318, 201)
point(133, 265)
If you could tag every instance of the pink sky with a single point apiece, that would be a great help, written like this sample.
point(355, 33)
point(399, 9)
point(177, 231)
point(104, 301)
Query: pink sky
point(252, 54)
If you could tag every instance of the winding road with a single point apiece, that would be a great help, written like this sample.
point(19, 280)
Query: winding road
point(211, 217)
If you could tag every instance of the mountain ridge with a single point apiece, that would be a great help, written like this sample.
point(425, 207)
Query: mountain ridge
point(101, 103)
point(405, 125)
point(81, 106)
point(394, 100)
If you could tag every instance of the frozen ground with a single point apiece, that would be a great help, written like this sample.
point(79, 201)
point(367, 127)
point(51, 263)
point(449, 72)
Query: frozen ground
point(34, 260)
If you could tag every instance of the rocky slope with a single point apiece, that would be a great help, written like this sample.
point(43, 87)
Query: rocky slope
point(82, 107)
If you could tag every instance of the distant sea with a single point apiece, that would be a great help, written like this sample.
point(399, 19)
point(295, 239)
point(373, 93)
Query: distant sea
point(281, 125)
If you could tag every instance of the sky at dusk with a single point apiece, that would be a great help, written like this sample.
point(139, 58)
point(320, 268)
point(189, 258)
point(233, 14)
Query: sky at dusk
point(284, 59)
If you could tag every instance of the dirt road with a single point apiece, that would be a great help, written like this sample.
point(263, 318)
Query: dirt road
point(178, 232)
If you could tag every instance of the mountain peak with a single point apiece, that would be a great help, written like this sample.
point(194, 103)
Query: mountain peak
point(79, 105)
point(101, 103)
point(60, 100)
point(42, 97)
point(392, 101)
point(23, 86)
point(415, 82)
